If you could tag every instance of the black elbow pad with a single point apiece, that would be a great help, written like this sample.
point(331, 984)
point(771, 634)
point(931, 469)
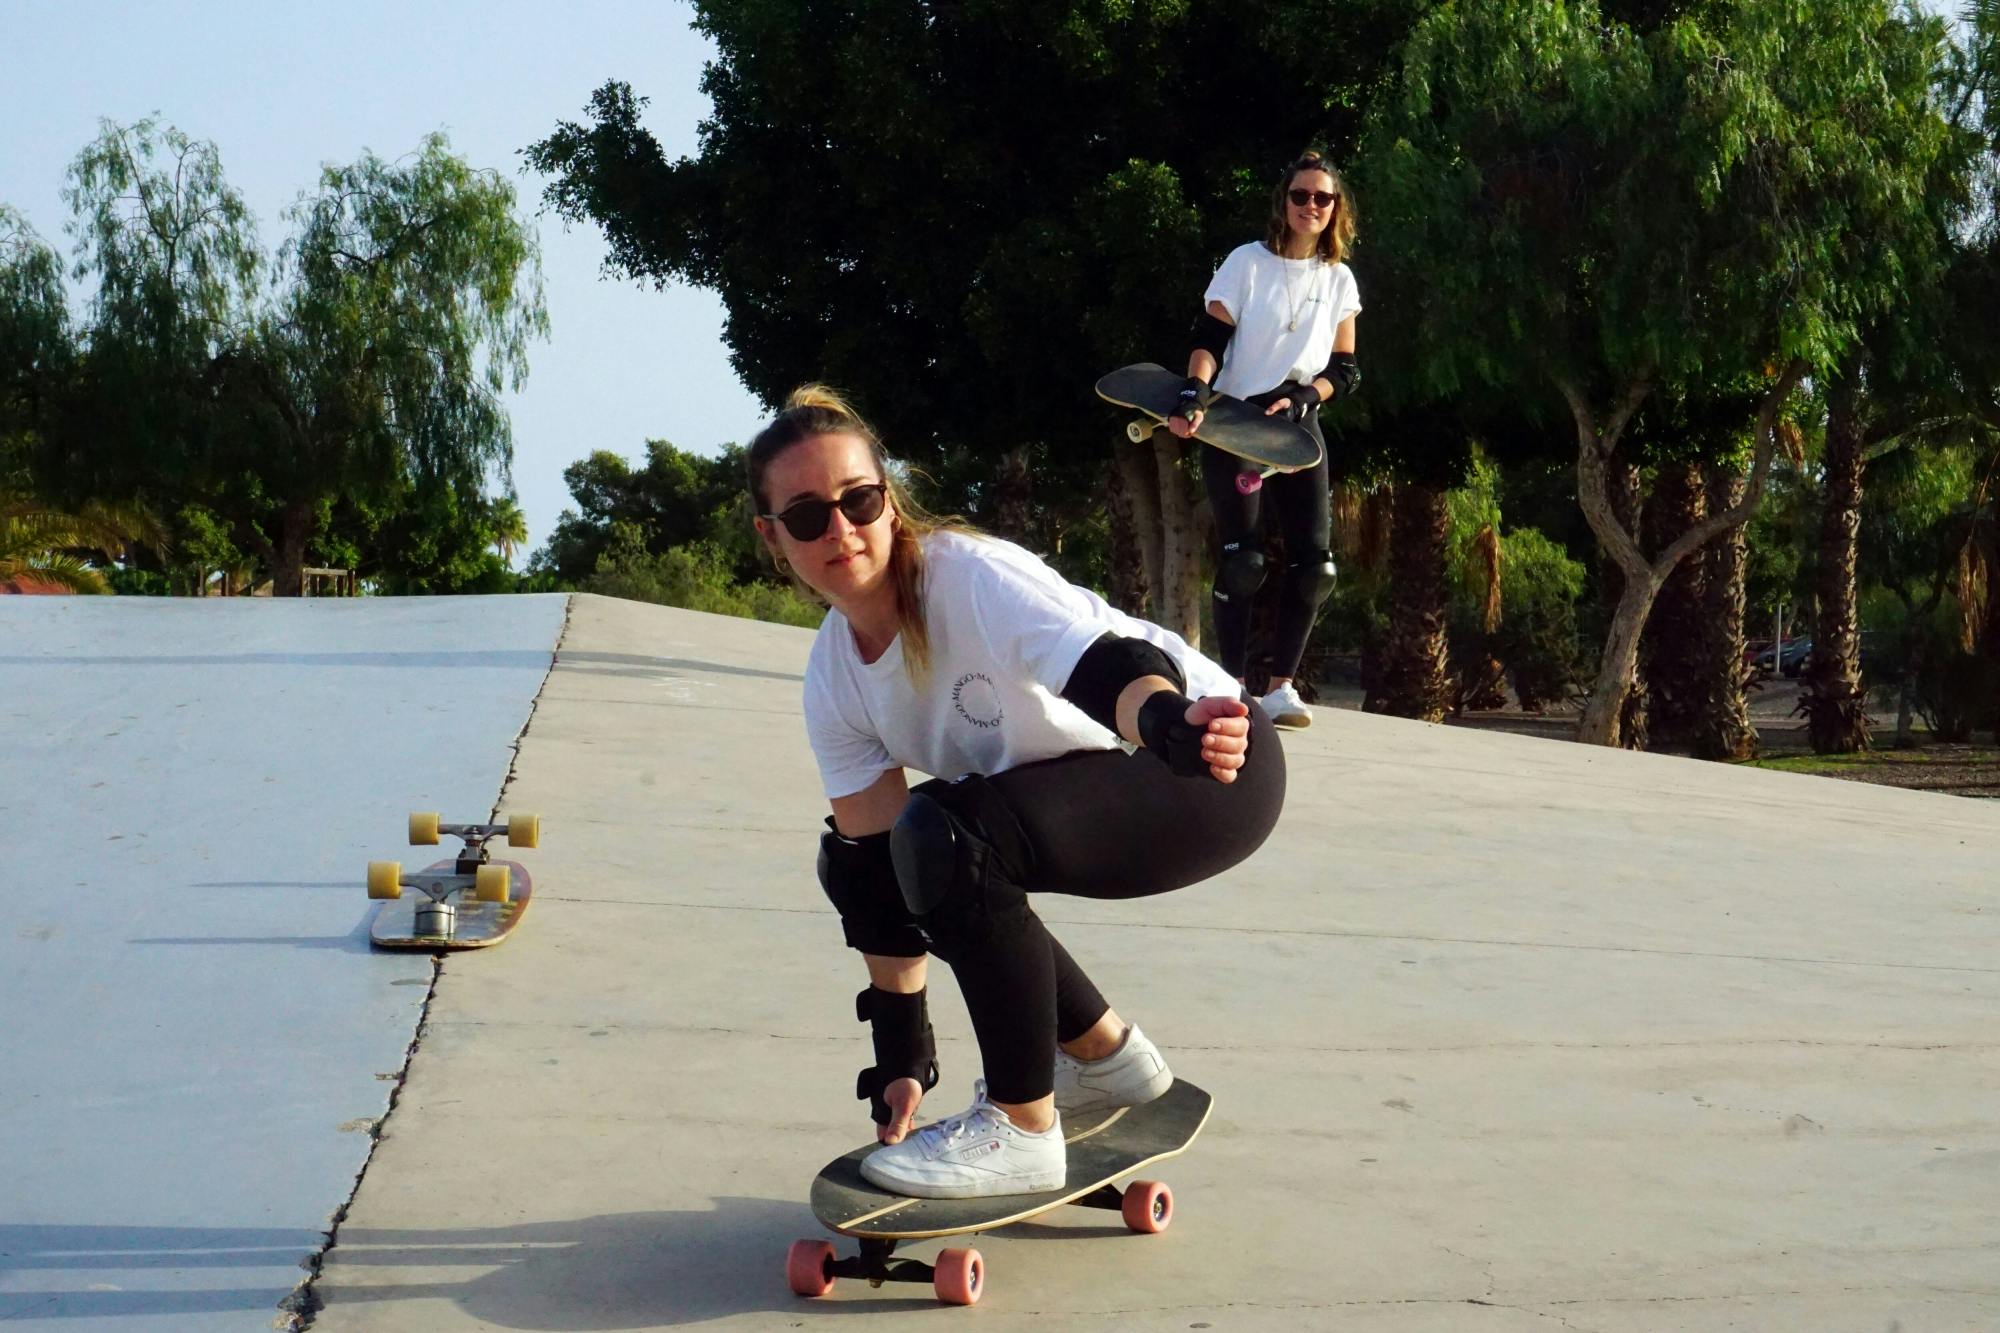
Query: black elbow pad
point(1108, 666)
point(1343, 372)
point(1210, 334)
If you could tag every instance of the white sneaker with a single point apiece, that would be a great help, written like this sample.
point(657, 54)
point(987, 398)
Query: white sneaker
point(971, 1155)
point(1132, 1075)
point(1286, 708)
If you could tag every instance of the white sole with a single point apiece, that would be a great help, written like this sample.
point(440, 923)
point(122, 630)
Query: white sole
point(979, 1189)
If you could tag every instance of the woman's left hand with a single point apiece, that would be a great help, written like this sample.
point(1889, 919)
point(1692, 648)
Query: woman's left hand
point(1225, 743)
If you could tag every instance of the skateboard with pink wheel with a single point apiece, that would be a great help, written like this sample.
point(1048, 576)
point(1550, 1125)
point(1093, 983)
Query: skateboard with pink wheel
point(1102, 1149)
point(469, 901)
point(1272, 443)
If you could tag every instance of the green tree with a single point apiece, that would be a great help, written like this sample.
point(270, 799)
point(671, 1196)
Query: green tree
point(1611, 211)
point(675, 499)
point(964, 213)
point(409, 295)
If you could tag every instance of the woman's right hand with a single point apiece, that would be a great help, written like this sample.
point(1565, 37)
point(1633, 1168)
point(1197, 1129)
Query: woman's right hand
point(903, 1097)
point(1185, 427)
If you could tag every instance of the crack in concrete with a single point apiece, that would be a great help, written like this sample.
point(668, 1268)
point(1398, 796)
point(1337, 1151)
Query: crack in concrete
point(302, 1306)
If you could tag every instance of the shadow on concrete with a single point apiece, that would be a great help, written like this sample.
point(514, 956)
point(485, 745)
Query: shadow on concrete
point(508, 659)
point(642, 667)
point(612, 1272)
point(125, 1251)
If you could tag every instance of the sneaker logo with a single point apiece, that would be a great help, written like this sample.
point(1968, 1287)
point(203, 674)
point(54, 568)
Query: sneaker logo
point(978, 1150)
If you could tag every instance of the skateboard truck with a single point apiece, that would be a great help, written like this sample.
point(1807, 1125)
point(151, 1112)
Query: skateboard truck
point(1139, 430)
point(437, 918)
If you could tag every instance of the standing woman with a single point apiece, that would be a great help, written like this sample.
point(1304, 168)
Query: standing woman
point(1073, 750)
point(1280, 322)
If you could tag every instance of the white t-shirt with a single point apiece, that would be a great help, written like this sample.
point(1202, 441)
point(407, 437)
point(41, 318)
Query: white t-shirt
point(1005, 633)
point(1265, 294)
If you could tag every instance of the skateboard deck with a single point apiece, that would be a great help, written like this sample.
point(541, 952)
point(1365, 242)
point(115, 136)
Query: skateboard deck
point(477, 924)
point(464, 902)
point(1101, 1149)
point(1230, 424)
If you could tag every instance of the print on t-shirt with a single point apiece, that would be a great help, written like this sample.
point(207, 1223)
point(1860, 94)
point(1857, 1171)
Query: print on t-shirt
point(977, 700)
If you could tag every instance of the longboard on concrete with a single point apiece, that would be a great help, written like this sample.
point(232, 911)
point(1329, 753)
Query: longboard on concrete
point(467, 902)
point(1102, 1149)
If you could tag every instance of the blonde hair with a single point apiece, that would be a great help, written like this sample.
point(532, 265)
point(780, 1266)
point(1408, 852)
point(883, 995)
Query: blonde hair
point(1337, 237)
point(815, 409)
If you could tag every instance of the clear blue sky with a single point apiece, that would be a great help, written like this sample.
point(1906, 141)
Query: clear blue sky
point(281, 88)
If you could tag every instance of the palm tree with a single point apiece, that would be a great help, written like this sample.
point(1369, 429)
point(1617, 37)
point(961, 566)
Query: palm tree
point(510, 527)
point(41, 541)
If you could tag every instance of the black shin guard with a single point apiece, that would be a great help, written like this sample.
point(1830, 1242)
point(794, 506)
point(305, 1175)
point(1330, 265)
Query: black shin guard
point(904, 1045)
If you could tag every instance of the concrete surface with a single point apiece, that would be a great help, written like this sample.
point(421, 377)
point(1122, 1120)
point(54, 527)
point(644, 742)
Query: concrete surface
point(195, 1038)
point(1504, 1035)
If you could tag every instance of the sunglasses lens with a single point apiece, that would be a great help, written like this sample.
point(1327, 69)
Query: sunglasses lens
point(1304, 197)
point(862, 505)
point(807, 519)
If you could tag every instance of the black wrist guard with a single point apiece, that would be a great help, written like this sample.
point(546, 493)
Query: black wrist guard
point(1167, 734)
point(904, 1045)
point(1305, 399)
point(1193, 398)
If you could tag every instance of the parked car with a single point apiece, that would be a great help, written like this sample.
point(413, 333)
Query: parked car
point(1790, 659)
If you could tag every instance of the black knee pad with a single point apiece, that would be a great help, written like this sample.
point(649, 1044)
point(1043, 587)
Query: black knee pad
point(1310, 581)
point(960, 858)
point(860, 881)
point(1240, 571)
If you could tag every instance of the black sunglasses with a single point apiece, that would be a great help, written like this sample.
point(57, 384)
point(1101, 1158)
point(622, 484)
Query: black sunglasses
point(1320, 197)
point(808, 519)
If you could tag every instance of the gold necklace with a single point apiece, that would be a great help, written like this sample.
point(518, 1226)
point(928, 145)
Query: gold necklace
point(1292, 301)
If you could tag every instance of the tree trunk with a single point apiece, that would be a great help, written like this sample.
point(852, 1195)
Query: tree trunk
point(1180, 543)
point(1722, 727)
point(288, 574)
point(1836, 715)
point(1013, 495)
point(1627, 495)
point(1141, 478)
point(1127, 575)
point(1414, 681)
point(1672, 648)
point(1595, 445)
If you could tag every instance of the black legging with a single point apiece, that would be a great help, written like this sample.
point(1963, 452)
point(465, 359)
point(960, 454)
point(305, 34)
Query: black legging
point(1101, 824)
point(1299, 500)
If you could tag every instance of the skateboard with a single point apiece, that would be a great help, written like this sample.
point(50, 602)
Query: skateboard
point(464, 902)
point(1102, 1148)
point(1230, 424)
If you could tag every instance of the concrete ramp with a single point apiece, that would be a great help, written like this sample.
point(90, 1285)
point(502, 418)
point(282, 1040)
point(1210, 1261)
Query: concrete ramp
point(197, 1041)
point(1504, 1035)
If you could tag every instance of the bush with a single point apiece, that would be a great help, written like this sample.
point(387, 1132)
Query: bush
point(1537, 638)
point(695, 577)
point(1955, 692)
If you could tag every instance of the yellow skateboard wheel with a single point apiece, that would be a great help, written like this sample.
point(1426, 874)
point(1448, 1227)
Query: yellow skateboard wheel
point(491, 884)
point(385, 879)
point(423, 830)
point(524, 830)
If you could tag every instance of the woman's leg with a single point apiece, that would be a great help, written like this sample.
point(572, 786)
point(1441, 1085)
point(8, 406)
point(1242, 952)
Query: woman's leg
point(1097, 823)
point(1300, 503)
point(1240, 569)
